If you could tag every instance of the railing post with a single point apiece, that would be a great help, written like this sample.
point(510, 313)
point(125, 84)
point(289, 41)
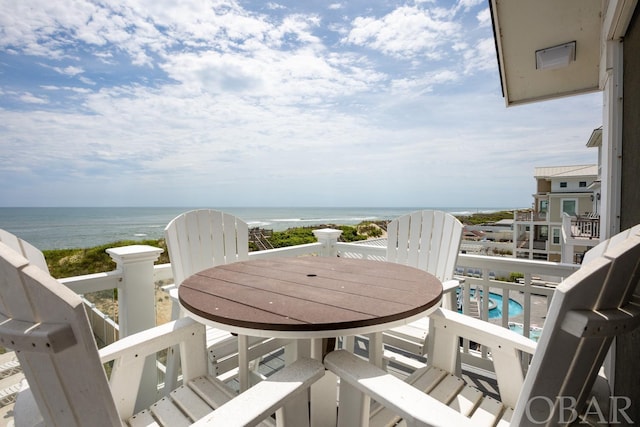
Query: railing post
point(136, 306)
point(136, 293)
point(567, 250)
point(328, 237)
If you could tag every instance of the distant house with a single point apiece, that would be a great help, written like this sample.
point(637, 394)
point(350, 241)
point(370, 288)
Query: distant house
point(503, 224)
point(549, 49)
point(537, 233)
point(475, 235)
point(500, 231)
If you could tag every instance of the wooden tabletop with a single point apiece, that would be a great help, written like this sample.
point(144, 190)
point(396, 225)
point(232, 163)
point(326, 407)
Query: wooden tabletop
point(309, 296)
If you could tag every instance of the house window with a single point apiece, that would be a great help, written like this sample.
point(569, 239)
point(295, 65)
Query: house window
point(555, 235)
point(570, 206)
point(563, 185)
point(542, 232)
point(544, 205)
point(582, 184)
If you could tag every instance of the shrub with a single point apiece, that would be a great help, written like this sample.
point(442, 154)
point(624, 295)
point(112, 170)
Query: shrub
point(513, 277)
point(369, 229)
point(76, 262)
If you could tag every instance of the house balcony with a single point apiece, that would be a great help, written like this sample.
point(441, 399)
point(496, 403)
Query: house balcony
point(530, 216)
point(585, 226)
point(579, 232)
point(523, 243)
point(526, 284)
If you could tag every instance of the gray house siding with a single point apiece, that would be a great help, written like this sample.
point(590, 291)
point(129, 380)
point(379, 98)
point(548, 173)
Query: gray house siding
point(627, 382)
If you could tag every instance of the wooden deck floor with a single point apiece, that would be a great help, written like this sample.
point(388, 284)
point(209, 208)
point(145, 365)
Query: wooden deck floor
point(484, 381)
point(11, 377)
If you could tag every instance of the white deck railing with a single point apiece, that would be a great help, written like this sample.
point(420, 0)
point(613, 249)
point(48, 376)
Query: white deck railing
point(581, 232)
point(135, 278)
point(483, 272)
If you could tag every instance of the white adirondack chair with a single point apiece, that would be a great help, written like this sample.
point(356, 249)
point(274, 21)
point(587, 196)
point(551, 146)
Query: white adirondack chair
point(601, 247)
point(24, 248)
point(11, 375)
point(201, 239)
point(588, 310)
point(428, 240)
point(46, 324)
point(205, 238)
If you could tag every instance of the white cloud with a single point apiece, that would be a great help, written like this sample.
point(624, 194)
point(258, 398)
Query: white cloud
point(468, 4)
point(32, 99)
point(274, 6)
point(415, 87)
point(69, 71)
point(182, 101)
point(484, 17)
point(68, 88)
point(481, 57)
point(405, 32)
point(20, 19)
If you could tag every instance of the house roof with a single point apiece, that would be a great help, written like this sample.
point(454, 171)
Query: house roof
point(522, 27)
point(573, 171)
point(595, 140)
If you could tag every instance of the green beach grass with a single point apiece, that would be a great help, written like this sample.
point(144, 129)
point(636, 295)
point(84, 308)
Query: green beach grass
point(75, 262)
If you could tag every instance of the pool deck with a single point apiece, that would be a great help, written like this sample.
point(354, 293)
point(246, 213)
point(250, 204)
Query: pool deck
point(539, 307)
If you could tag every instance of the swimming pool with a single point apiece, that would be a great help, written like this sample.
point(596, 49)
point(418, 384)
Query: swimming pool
point(534, 332)
point(495, 305)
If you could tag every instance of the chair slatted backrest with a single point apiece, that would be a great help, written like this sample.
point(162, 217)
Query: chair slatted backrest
point(587, 311)
point(601, 247)
point(24, 248)
point(205, 238)
point(427, 239)
point(46, 324)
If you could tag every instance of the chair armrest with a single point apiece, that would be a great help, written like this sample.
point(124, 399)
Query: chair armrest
point(450, 285)
point(172, 290)
point(414, 406)
point(152, 340)
point(449, 296)
point(484, 333)
point(130, 353)
point(507, 347)
point(283, 388)
point(168, 288)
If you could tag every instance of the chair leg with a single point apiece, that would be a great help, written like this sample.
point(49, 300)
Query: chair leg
point(172, 369)
point(243, 362)
point(349, 343)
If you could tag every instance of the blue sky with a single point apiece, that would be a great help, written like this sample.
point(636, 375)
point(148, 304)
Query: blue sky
point(251, 103)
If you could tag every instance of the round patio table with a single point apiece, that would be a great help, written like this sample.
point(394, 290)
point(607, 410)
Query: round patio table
point(309, 297)
point(302, 298)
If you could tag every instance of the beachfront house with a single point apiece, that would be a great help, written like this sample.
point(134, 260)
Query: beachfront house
point(548, 49)
point(560, 190)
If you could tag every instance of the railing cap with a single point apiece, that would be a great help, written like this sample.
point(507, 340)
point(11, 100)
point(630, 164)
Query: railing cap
point(135, 253)
point(327, 233)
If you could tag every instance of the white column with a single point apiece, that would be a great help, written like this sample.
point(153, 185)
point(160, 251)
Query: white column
point(611, 187)
point(611, 142)
point(136, 306)
point(532, 227)
point(328, 237)
point(136, 293)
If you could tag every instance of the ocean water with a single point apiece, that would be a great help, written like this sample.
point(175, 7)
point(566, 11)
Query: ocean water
point(59, 228)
